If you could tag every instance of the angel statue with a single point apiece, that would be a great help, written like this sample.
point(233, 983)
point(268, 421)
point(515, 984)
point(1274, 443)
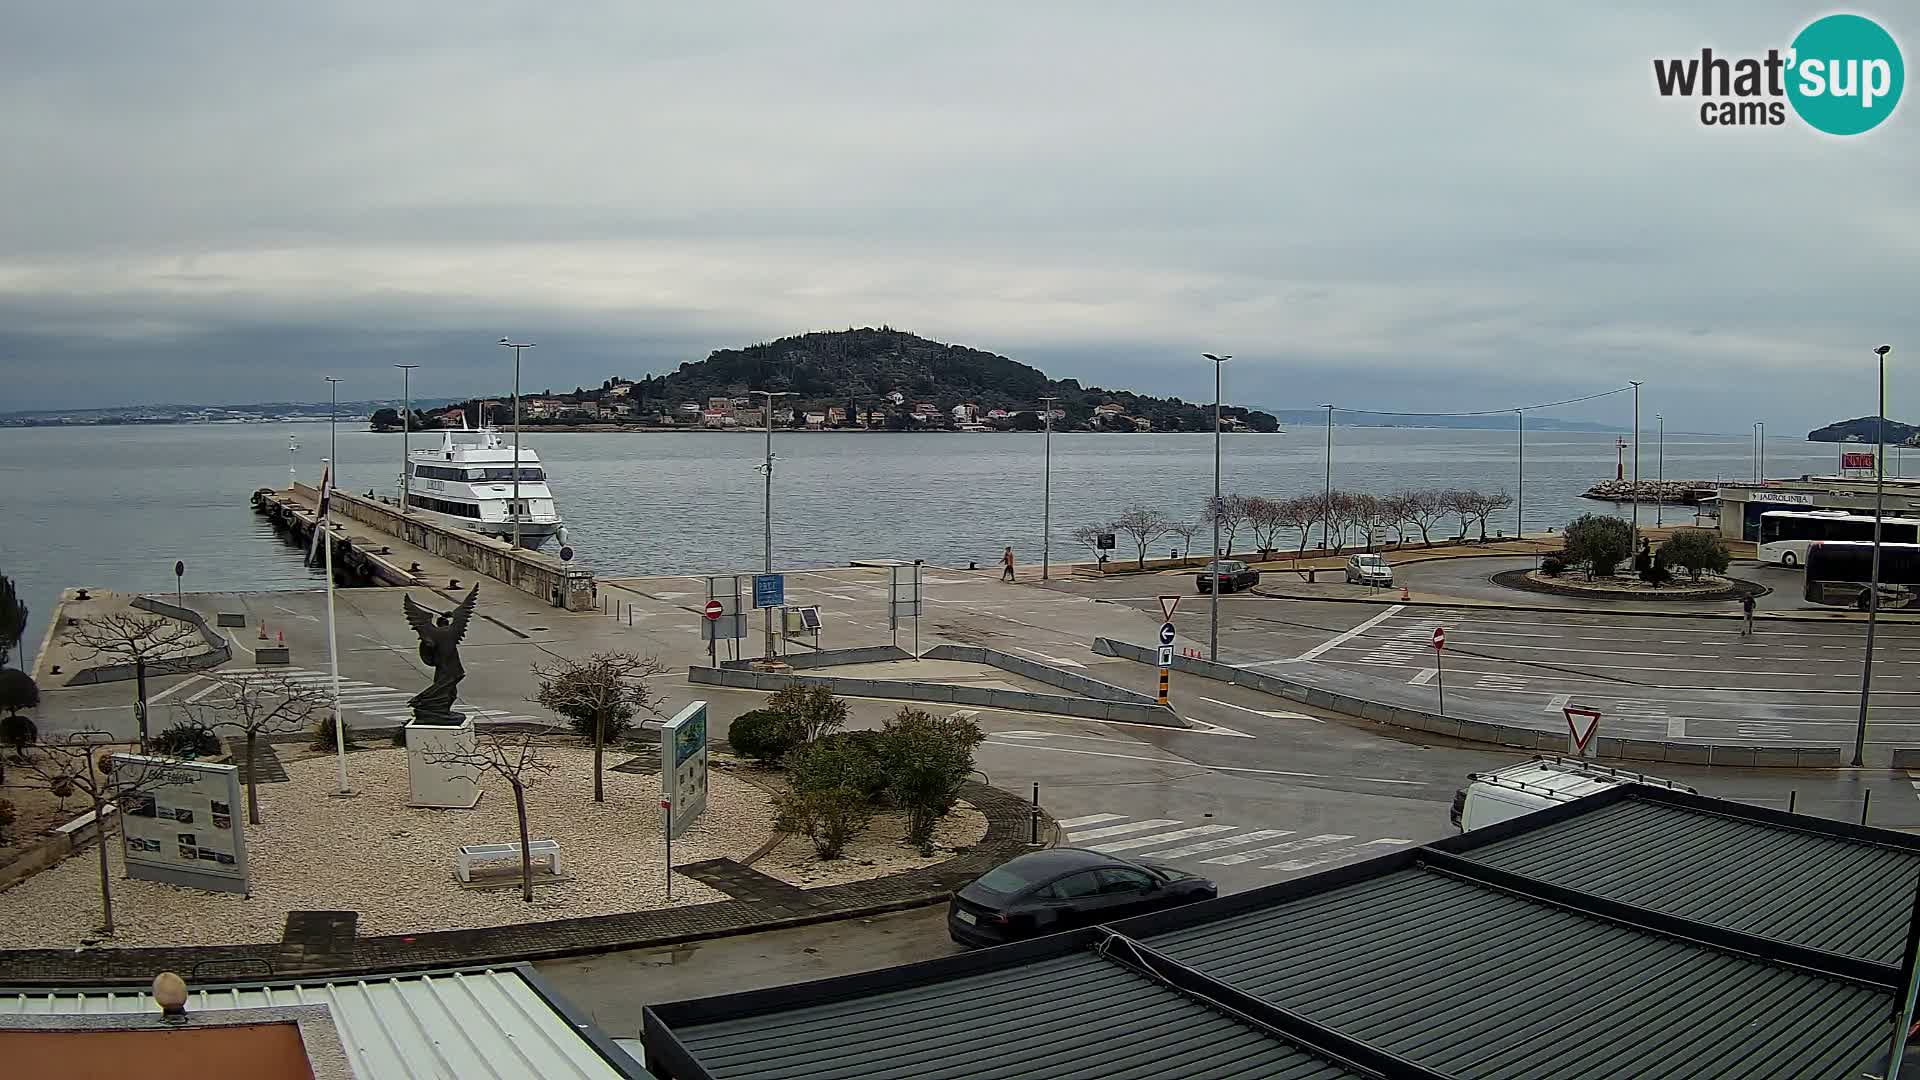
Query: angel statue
point(440, 649)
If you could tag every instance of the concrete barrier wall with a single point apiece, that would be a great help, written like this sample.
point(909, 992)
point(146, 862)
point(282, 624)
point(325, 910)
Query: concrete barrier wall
point(1040, 673)
point(218, 651)
point(1523, 738)
point(538, 575)
point(941, 694)
point(871, 654)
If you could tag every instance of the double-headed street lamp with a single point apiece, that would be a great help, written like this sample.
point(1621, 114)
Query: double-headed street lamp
point(518, 509)
point(1873, 574)
point(767, 466)
point(406, 433)
point(1213, 590)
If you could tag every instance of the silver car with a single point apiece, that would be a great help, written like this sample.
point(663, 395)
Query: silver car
point(1369, 570)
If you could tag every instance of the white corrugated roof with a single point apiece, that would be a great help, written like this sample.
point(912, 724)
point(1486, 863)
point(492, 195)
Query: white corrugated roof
point(458, 1025)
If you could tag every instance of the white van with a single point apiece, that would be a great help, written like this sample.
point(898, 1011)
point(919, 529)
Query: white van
point(1496, 796)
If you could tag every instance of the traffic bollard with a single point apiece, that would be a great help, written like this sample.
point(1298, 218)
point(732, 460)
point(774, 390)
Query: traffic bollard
point(1033, 819)
point(1866, 800)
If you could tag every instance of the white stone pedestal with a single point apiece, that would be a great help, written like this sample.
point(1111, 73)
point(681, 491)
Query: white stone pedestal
point(447, 786)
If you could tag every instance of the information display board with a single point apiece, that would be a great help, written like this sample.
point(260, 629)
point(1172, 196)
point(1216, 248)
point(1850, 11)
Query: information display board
point(683, 767)
point(191, 830)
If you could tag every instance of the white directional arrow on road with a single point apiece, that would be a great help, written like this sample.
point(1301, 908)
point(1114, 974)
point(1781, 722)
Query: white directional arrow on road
point(1274, 713)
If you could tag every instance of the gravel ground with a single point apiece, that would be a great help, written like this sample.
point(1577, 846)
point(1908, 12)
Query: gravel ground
point(394, 863)
point(876, 851)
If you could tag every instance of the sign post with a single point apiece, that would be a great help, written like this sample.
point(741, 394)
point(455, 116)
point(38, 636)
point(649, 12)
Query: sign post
point(729, 623)
point(1167, 633)
point(179, 571)
point(712, 611)
point(191, 831)
point(1582, 725)
point(903, 601)
point(1439, 678)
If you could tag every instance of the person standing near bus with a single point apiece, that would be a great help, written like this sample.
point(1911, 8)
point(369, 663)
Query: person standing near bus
point(1746, 611)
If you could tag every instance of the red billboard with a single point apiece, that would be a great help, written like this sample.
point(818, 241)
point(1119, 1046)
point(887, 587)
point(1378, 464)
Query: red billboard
point(1856, 461)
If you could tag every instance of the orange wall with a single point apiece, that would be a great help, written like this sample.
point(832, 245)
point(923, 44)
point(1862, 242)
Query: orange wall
point(262, 1051)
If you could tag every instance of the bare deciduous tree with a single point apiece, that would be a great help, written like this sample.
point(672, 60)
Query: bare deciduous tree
point(601, 694)
point(515, 758)
point(1186, 531)
point(1393, 513)
point(1489, 505)
point(1364, 511)
point(265, 702)
point(1301, 513)
point(1089, 536)
point(1460, 503)
point(1266, 518)
point(75, 764)
point(1423, 509)
point(1143, 525)
point(140, 640)
point(1231, 512)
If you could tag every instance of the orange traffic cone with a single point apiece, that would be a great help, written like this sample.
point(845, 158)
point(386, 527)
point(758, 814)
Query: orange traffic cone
point(1403, 593)
point(263, 630)
point(282, 636)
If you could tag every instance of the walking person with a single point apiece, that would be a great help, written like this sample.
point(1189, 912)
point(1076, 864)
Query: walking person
point(1006, 565)
point(1746, 609)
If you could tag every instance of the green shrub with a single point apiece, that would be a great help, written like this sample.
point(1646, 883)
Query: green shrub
point(927, 759)
point(185, 739)
point(18, 732)
point(323, 733)
point(811, 709)
point(828, 816)
point(1601, 543)
point(6, 821)
point(1698, 550)
point(1553, 566)
point(850, 759)
point(763, 735)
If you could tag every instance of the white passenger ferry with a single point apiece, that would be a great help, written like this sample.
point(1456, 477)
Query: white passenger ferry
point(468, 480)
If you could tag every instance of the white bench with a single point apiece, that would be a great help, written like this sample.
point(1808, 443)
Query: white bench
point(547, 851)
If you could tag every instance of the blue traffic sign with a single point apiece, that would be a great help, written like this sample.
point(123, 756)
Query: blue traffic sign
point(769, 590)
point(1166, 633)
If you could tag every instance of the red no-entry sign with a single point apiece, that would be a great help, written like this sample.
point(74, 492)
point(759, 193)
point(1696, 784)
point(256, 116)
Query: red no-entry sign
point(714, 609)
point(1439, 638)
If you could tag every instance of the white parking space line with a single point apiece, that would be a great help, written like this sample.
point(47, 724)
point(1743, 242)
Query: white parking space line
point(1090, 819)
point(1422, 677)
point(1336, 642)
point(1133, 842)
point(1119, 830)
point(1183, 763)
point(1060, 660)
point(172, 690)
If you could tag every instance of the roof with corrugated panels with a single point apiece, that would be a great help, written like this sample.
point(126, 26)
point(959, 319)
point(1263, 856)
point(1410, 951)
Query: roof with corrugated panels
point(1788, 880)
point(1634, 933)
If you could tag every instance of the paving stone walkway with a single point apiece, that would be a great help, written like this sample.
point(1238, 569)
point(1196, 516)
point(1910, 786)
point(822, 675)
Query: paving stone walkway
point(746, 883)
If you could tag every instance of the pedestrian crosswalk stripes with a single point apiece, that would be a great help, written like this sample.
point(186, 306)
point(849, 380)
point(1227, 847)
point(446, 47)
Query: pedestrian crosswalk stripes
point(372, 699)
point(1218, 843)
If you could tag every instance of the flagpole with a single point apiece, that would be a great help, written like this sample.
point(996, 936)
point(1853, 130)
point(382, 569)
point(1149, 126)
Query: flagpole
point(333, 646)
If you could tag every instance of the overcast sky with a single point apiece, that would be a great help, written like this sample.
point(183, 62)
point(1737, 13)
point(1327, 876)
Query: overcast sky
point(1386, 205)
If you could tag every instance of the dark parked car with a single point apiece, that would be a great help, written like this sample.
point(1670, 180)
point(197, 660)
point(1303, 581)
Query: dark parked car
point(1043, 892)
point(1234, 575)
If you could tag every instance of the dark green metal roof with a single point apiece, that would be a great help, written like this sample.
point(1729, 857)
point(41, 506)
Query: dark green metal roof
point(1636, 933)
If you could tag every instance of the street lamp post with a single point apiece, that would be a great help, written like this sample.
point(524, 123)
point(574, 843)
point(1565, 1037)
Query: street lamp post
point(1660, 475)
point(1326, 506)
point(333, 439)
point(293, 455)
point(767, 466)
point(1046, 489)
point(518, 510)
point(1760, 450)
point(1636, 466)
point(1873, 574)
point(1520, 503)
point(1213, 585)
point(406, 434)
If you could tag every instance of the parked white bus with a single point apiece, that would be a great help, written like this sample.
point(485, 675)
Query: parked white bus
point(1785, 534)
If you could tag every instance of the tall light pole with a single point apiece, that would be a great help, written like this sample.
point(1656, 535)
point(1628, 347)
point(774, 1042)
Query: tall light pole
point(1046, 489)
point(406, 434)
point(767, 466)
point(1520, 505)
point(1213, 585)
point(1754, 438)
point(293, 454)
point(516, 346)
point(1873, 574)
point(1636, 466)
point(333, 439)
point(1760, 451)
point(1326, 506)
point(1660, 476)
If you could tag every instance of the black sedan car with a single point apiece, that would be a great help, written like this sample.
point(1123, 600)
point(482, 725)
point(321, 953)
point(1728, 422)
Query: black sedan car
point(1043, 892)
point(1234, 576)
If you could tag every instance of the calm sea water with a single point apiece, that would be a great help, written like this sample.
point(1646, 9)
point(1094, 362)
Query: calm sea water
point(116, 506)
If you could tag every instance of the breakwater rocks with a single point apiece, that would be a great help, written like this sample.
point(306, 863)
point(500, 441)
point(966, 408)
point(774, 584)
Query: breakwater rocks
point(1684, 492)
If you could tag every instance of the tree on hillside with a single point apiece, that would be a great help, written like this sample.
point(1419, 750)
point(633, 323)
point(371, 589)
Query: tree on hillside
point(13, 619)
point(515, 758)
point(75, 765)
point(1602, 543)
point(1701, 551)
point(601, 695)
point(129, 638)
point(386, 420)
point(1143, 526)
point(265, 702)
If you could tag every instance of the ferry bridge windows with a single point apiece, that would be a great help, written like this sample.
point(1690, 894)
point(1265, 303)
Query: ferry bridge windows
point(505, 475)
point(442, 506)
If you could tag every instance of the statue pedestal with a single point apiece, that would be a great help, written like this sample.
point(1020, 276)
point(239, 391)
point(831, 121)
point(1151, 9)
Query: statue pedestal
point(448, 786)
